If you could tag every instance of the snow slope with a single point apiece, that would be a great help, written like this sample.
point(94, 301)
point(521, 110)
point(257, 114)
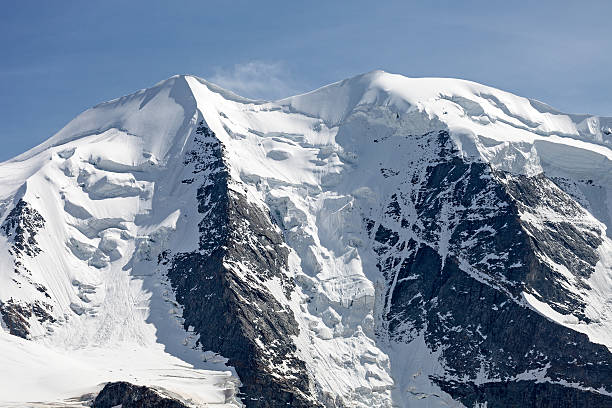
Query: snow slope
point(109, 187)
point(105, 223)
point(513, 133)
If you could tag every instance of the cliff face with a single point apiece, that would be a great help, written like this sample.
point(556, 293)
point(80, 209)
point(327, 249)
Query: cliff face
point(222, 286)
point(465, 297)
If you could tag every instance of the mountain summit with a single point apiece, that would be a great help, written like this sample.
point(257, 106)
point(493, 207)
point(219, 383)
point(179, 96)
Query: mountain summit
point(381, 241)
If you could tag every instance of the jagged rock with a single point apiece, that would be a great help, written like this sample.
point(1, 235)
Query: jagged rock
point(129, 395)
point(525, 394)
point(465, 298)
point(222, 288)
point(16, 316)
point(21, 227)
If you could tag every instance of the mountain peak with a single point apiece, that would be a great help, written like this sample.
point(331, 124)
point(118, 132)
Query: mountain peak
point(307, 248)
point(450, 101)
point(155, 115)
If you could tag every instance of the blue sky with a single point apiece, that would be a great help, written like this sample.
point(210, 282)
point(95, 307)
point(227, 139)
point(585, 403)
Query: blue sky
point(61, 57)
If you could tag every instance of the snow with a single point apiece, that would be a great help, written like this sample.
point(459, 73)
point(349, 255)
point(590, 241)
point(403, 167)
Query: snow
point(109, 187)
point(105, 224)
point(47, 376)
point(485, 122)
point(414, 388)
point(157, 117)
point(598, 300)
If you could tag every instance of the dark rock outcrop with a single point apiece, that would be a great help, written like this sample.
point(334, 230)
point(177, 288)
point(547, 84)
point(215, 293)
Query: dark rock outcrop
point(221, 286)
point(16, 315)
point(526, 394)
point(459, 283)
point(21, 227)
point(128, 395)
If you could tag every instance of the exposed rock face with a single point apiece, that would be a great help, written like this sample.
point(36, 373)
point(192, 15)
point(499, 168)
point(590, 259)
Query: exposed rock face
point(16, 316)
point(458, 283)
point(21, 226)
point(477, 243)
point(129, 395)
point(528, 394)
point(222, 287)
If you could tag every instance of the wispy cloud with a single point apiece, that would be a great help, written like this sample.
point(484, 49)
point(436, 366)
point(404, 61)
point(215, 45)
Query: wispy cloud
point(258, 79)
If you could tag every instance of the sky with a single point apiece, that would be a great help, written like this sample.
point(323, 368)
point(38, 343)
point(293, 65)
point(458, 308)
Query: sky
point(59, 58)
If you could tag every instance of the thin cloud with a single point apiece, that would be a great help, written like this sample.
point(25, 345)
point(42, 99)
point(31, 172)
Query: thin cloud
point(257, 79)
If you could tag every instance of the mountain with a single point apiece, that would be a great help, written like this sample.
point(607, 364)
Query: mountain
point(382, 241)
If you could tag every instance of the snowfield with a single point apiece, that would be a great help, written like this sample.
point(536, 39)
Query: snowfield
point(110, 188)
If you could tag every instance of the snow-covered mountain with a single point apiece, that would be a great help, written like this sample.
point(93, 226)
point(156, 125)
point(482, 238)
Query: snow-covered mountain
point(382, 241)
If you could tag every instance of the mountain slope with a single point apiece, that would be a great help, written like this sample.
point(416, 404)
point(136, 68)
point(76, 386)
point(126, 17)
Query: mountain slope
point(382, 241)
